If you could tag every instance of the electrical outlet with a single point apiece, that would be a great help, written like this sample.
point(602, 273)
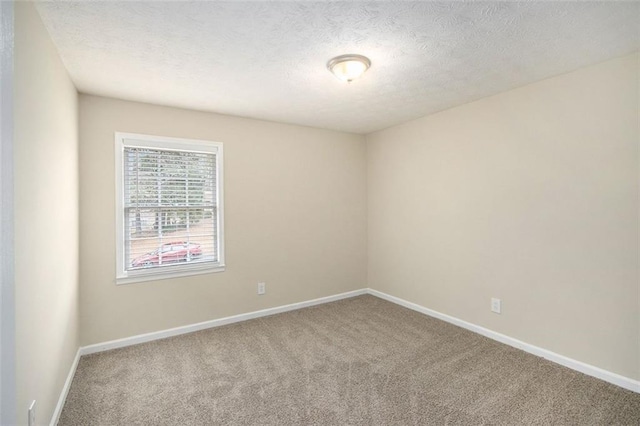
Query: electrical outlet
point(262, 288)
point(32, 413)
point(496, 305)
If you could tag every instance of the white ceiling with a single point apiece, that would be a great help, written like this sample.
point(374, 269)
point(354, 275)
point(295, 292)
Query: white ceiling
point(267, 60)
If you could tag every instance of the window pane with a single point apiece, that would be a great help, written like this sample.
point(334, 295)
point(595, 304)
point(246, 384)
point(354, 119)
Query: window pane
point(167, 178)
point(168, 236)
point(170, 208)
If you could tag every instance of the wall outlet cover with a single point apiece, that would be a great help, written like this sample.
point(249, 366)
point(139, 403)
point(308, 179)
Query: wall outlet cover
point(32, 414)
point(496, 305)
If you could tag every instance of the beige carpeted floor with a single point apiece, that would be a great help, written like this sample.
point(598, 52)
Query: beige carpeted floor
point(357, 361)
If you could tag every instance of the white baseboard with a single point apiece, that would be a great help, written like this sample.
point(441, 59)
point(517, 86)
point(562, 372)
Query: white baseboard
point(616, 379)
point(590, 370)
point(142, 338)
point(65, 390)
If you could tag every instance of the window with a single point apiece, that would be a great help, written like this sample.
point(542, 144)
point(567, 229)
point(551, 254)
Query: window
point(169, 207)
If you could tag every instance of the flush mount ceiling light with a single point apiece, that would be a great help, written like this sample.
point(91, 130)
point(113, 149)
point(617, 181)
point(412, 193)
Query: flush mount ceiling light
point(348, 67)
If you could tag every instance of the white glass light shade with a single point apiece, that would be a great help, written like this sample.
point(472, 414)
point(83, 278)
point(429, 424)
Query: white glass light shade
point(349, 67)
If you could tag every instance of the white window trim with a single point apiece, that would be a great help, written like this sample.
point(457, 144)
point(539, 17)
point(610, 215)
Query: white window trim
point(167, 143)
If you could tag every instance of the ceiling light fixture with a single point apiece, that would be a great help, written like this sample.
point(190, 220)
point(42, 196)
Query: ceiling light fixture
point(348, 67)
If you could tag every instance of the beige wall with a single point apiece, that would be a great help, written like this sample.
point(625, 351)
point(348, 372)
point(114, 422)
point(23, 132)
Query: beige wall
point(46, 217)
point(295, 200)
point(530, 196)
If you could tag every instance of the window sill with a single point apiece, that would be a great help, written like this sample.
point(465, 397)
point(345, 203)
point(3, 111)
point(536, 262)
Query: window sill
point(142, 276)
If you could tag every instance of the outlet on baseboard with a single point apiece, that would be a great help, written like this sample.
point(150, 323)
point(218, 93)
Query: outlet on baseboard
point(32, 414)
point(496, 305)
point(262, 288)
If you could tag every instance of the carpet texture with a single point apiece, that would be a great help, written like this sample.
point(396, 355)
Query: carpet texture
point(359, 361)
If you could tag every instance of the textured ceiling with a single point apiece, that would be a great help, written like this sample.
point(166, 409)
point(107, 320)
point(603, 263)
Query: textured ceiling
point(267, 59)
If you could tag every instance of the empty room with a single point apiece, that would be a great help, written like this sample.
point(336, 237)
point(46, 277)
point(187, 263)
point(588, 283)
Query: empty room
point(319, 213)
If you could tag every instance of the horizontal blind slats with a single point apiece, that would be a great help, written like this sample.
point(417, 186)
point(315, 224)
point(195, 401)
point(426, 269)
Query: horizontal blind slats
point(170, 207)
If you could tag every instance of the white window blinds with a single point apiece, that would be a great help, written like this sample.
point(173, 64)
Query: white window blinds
point(169, 207)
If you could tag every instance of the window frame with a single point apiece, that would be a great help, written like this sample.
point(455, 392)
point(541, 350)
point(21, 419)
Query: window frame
point(137, 140)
